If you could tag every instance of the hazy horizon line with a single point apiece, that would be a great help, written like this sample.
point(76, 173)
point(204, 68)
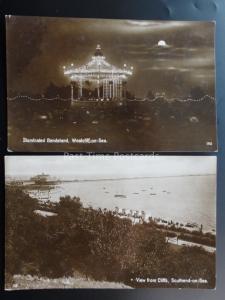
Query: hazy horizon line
point(112, 178)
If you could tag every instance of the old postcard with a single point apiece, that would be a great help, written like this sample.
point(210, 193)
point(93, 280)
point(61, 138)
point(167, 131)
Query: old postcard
point(99, 85)
point(110, 222)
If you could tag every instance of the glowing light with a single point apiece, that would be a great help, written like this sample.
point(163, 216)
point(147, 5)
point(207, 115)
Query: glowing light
point(100, 71)
point(98, 64)
point(162, 43)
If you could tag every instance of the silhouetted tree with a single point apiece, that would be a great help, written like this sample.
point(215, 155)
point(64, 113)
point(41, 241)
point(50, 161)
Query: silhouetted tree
point(197, 92)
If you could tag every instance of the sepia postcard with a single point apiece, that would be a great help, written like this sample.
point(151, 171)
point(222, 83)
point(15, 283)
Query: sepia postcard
point(100, 85)
point(110, 222)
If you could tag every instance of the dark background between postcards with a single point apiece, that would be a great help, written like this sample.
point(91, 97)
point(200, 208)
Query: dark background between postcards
point(197, 10)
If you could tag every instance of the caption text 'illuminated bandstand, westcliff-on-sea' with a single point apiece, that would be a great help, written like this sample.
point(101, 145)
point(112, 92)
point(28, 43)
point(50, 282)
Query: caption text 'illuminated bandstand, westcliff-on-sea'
point(109, 80)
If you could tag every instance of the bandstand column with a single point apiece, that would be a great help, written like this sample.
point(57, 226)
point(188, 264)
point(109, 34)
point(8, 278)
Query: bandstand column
point(107, 89)
point(117, 88)
point(110, 89)
point(80, 89)
point(98, 89)
point(120, 89)
point(124, 89)
point(71, 85)
point(114, 88)
point(103, 88)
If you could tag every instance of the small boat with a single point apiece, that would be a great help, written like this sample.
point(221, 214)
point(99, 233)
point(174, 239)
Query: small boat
point(120, 196)
point(136, 193)
point(152, 194)
point(191, 225)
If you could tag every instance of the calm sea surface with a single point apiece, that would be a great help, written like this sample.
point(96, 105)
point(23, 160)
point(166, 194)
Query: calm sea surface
point(181, 199)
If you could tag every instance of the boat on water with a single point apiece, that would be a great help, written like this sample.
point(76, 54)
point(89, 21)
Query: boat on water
point(120, 196)
point(191, 225)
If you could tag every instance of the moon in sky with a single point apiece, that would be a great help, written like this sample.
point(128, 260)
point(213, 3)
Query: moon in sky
point(162, 43)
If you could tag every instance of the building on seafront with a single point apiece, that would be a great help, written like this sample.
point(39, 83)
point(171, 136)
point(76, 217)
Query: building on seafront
point(40, 179)
point(109, 80)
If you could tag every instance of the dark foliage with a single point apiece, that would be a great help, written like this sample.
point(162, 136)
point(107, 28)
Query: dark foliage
point(127, 125)
point(94, 242)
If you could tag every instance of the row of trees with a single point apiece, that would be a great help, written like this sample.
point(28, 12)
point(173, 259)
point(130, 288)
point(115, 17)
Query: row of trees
point(162, 110)
point(97, 244)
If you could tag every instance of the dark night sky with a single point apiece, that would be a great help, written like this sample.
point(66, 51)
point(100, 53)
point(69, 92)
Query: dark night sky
point(37, 49)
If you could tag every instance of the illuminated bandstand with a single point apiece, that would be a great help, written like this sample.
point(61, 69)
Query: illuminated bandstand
point(109, 80)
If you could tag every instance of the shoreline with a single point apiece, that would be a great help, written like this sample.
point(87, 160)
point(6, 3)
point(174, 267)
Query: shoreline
point(44, 195)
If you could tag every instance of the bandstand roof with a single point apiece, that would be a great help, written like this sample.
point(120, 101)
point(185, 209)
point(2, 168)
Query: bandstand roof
point(97, 68)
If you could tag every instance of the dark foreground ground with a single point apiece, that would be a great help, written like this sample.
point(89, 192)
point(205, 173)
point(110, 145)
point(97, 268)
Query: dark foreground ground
point(125, 126)
point(27, 282)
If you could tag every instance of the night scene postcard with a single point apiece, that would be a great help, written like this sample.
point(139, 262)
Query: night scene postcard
point(100, 85)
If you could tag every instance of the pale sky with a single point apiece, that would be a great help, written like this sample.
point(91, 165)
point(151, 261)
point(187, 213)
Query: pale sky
point(109, 166)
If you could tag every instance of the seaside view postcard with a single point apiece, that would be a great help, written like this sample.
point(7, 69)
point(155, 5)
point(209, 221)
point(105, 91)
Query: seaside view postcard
point(101, 85)
point(110, 222)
